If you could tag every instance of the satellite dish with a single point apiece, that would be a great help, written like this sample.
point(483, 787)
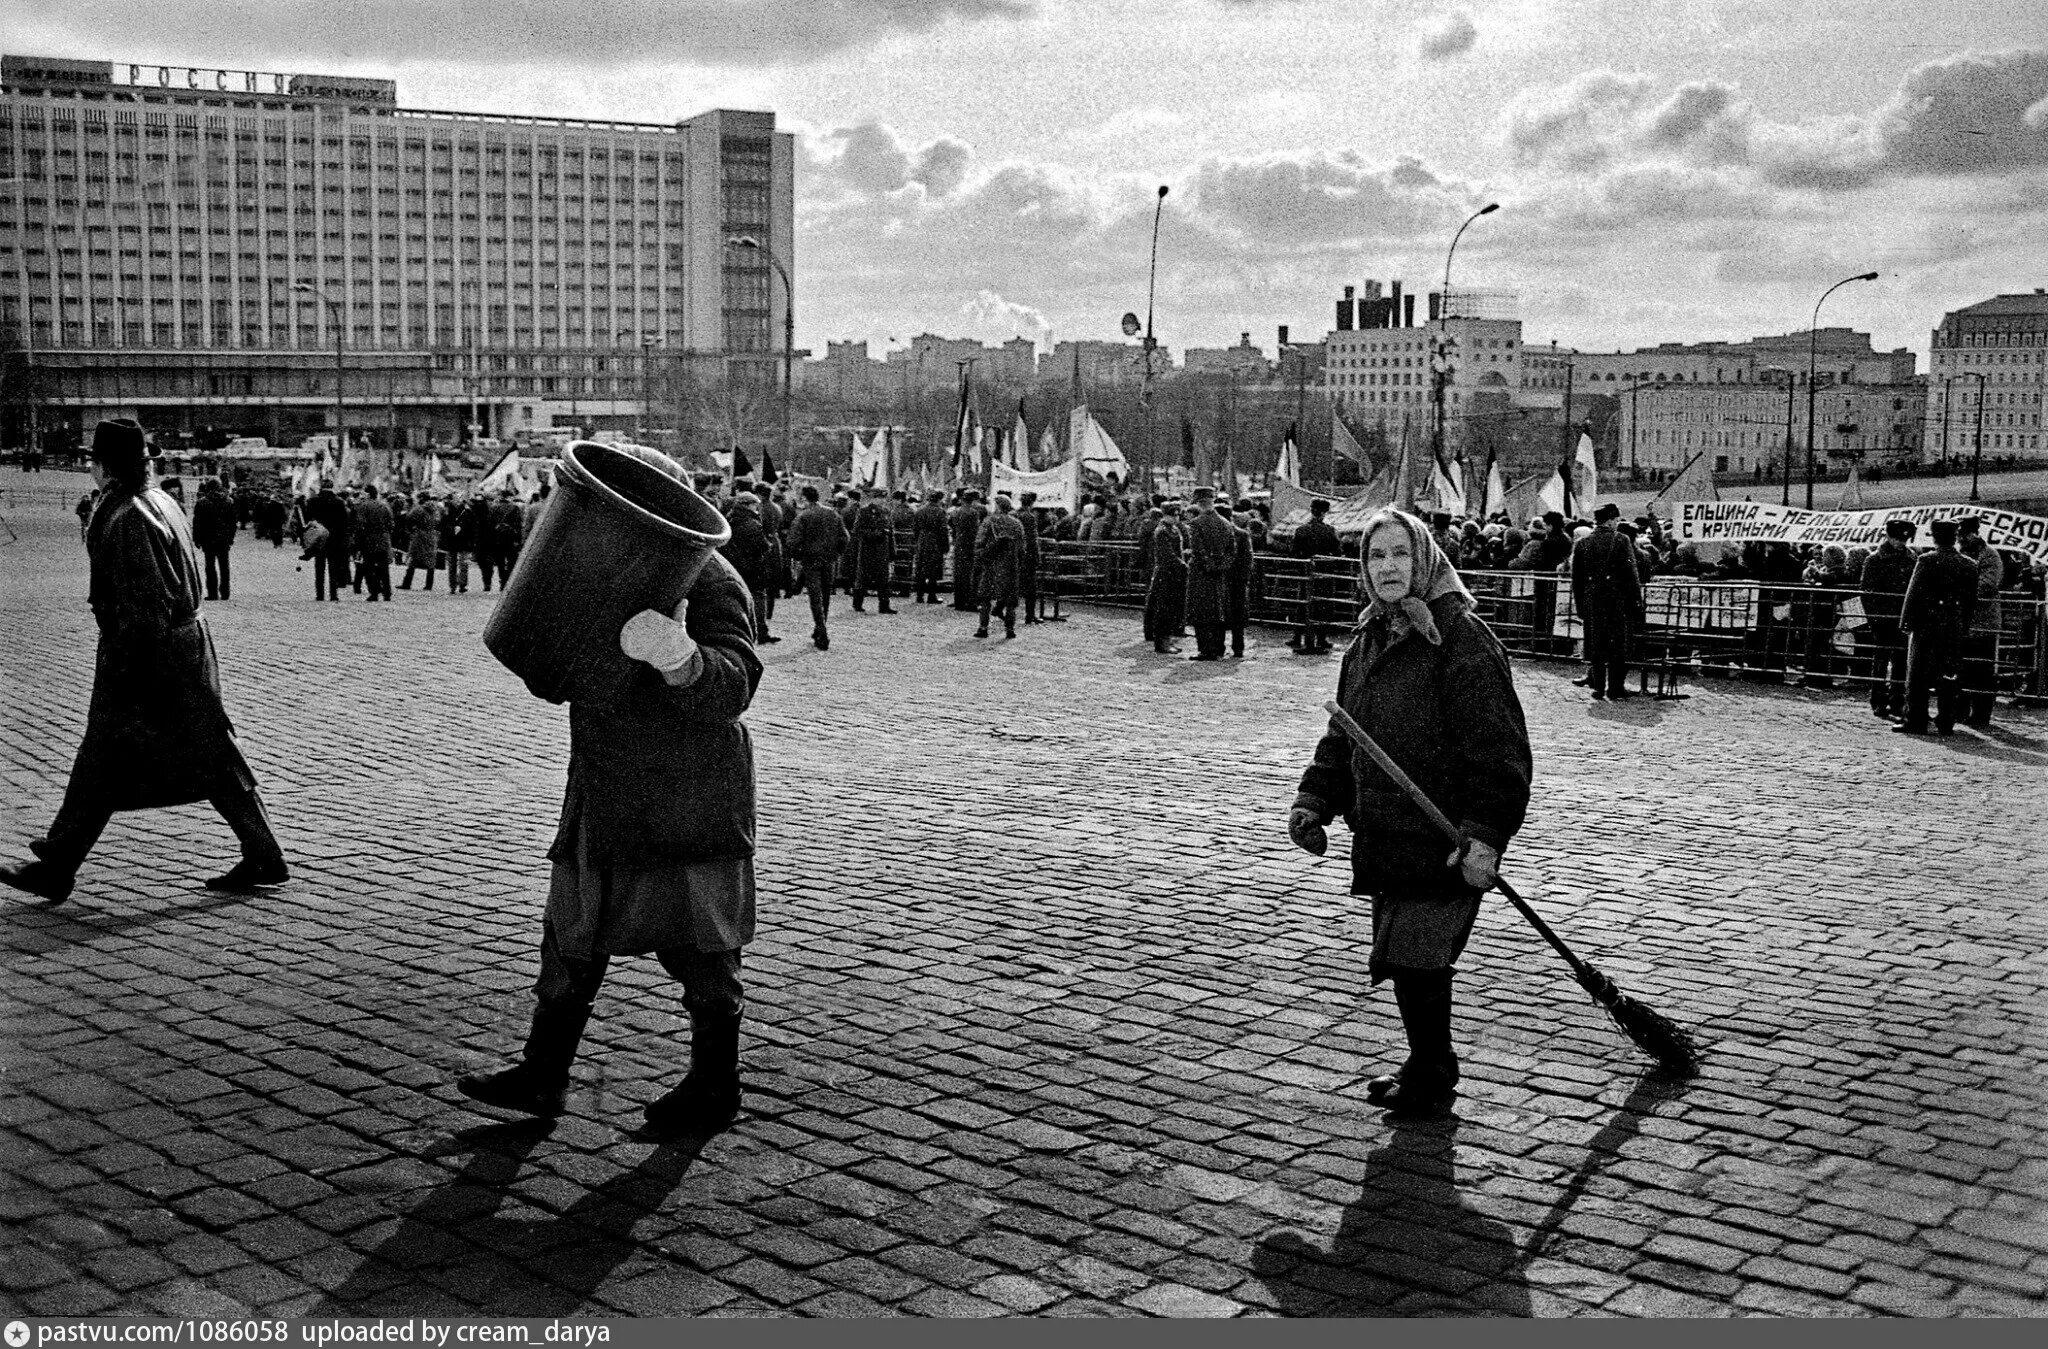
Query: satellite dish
point(1131, 325)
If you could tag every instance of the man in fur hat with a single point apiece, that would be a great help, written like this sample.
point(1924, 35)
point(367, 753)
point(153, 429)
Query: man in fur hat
point(156, 733)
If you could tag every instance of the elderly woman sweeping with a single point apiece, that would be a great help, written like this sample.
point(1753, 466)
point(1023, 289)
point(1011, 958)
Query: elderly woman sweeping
point(1426, 678)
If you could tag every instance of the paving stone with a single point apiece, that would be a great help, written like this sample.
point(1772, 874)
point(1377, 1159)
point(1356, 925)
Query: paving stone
point(1179, 1300)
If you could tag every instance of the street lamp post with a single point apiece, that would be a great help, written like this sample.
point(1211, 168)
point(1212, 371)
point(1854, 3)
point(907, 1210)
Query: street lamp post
point(1977, 453)
point(788, 330)
point(1151, 290)
point(1812, 354)
point(1790, 385)
point(640, 422)
point(334, 321)
point(1441, 375)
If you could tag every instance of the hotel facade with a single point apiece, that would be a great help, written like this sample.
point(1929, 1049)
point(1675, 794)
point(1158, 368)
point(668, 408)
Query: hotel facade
point(188, 247)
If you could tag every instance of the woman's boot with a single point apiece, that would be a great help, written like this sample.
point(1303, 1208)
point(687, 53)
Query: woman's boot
point(1428, 1081)
point(539, 1083)
point(708, 1099)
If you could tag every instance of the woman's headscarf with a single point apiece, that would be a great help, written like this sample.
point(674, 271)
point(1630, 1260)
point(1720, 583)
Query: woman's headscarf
point(1433, 577)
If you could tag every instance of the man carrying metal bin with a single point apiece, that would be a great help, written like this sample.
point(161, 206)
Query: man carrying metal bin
point(654, 853)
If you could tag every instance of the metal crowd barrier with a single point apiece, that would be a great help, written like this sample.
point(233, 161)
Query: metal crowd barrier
point(1691, 628)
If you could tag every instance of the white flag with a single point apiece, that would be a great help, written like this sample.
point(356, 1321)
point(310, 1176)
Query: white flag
point(506, 473)
point(1289, 468)
point(1496, 491)
point(1586, 492)
point(1552, 495)
point(1852, 492)
point(1020, 444)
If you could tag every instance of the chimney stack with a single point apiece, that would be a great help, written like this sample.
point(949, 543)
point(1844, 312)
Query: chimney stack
point(1283, 336)
point(1407, 311)
point(1344, 308)
point(1394, 300)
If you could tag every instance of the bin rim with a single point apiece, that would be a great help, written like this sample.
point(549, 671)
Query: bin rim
point(572, 463)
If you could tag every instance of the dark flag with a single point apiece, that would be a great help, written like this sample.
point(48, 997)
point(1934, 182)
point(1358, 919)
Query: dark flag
point(768, 473)
point(742, 467)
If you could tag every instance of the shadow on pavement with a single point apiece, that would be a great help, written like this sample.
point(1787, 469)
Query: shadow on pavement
point(1409, 1245)
point(453, 1252)
point(34, 926)
point(1603, 1149)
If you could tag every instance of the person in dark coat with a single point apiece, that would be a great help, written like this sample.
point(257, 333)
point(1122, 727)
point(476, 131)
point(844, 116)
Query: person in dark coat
point(650, 859)
point(965, 519)
point(874, 548)
point(932, 538)
point(422, 540)
point(1987, 621)
point(1211, 545)
point(1935, 616)
point(1607, 590)
point(998, 553)
point(1313, 540)
point(373, 543)
point(156, 732)
point(213, 530)
point(1166, 594)
point(748, 550)
point(848, 507)
point(1886, 573)
point(479, 531)
point(1141, 536)
point(1027, 563)
point(508, 534)
point(816, 539)
point(331, 567)
point(1428, 681)
point(778, 564)
point(1239, 610)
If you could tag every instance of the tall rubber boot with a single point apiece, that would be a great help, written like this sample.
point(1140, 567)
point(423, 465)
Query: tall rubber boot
point(1428, 1081)
point(707, 1100)
point(539, 1083)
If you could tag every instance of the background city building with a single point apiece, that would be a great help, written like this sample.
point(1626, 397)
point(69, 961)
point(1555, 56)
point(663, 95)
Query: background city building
point(2005, 340)
point(174, 245)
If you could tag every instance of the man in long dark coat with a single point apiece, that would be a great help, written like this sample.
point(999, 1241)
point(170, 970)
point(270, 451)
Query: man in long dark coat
point(330, 568)
point(1027, 563)
point(1166, 593)
point(1211, 545)
point(1239, 610)
point(214, 528)
point(1313, 540)
point(373, 543)
point(874, 547)
point(652, 860)
point(772, 524)
point(966, 520)
point(156, 733)
point(1935, 617)
point(1607, 590)
point(932, 538)
point(998, 552)
point(1886, 573)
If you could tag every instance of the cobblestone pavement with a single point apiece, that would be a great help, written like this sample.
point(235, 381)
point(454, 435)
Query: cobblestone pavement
point(1046, 1017)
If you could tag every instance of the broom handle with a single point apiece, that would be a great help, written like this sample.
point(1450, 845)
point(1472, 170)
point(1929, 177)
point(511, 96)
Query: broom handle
point(1351, 728)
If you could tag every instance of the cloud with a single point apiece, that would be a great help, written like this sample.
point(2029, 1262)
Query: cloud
point(547, 33)
point(1324, 198)
point(870, 159)
point(989, 314)
point(1446, 36)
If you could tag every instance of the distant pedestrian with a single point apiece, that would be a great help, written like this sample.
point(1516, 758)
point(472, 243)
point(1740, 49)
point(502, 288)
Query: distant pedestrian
point(1886, 573)
point(998, 552)
point(931, 539)
point(1607, 590)
point(1987, 621)
point(422, 540)
point(965, 519)
point(1211, 545)
point(1935, 616)
point(331, 563)
point(1312, 540)
point(874, 548)
point(1027, 564)
point(1167, 593)
point(156, 733)
point(213, 530)
point(83, 510)
point(817, 537)
point(748, 551)
point(1238, 611)
point(373, 543)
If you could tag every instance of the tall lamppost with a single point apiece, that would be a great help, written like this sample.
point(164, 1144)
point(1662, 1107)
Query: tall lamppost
point(28, 354)
point(1791, 383)
point(788, 329)
point(334, 321)
point(1812, 355)
point(1441, 375)
point(1634, 423)
point(640, 422)
point(1151, 290)
point(1977, 454)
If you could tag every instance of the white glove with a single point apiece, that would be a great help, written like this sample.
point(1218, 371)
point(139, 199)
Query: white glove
point(1478, 863)
point(658, 640)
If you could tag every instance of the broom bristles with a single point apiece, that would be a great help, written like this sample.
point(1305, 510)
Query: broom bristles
point(1664, 1040)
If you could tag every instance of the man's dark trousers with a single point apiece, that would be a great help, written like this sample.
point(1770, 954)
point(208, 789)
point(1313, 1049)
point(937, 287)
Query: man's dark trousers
point(1209, 640)
point(216, 573)
point(1887, 667)
point(818, 585)
point(1607, 634)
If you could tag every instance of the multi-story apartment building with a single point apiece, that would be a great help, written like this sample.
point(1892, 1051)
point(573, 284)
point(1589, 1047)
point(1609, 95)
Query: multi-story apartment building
point(1377, 361)
point(1104, 364)
point(1841, 356)
point(1243, 361)
point(1743, 427)
point(1990, 357)
point(190, 247)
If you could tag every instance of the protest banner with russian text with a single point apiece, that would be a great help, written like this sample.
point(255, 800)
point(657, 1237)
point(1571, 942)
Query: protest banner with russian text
point(1761, 521)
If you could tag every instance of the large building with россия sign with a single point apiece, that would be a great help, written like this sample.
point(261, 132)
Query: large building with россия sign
point(159, 227)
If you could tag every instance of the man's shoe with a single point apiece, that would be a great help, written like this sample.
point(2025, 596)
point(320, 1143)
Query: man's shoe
point(1203, 655)
point(981, 632)
point(708, 1099)
point(1599, 695)
point(248, 874)
point(1577, 684)
point(1621, 693)
point(520, 1087)
point(821, 641)
point(38, 878)
point(1009, 633)
point(769, 639)
point(1910, 728)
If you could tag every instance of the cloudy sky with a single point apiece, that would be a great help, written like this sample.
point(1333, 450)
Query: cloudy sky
point(1666, 171)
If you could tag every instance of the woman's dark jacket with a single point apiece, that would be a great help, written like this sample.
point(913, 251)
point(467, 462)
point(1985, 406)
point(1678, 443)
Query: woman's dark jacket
point(667, 774)
point(1449, 716)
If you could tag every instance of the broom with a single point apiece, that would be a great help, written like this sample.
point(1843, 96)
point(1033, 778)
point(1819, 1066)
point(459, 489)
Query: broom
point(1663, 1039)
